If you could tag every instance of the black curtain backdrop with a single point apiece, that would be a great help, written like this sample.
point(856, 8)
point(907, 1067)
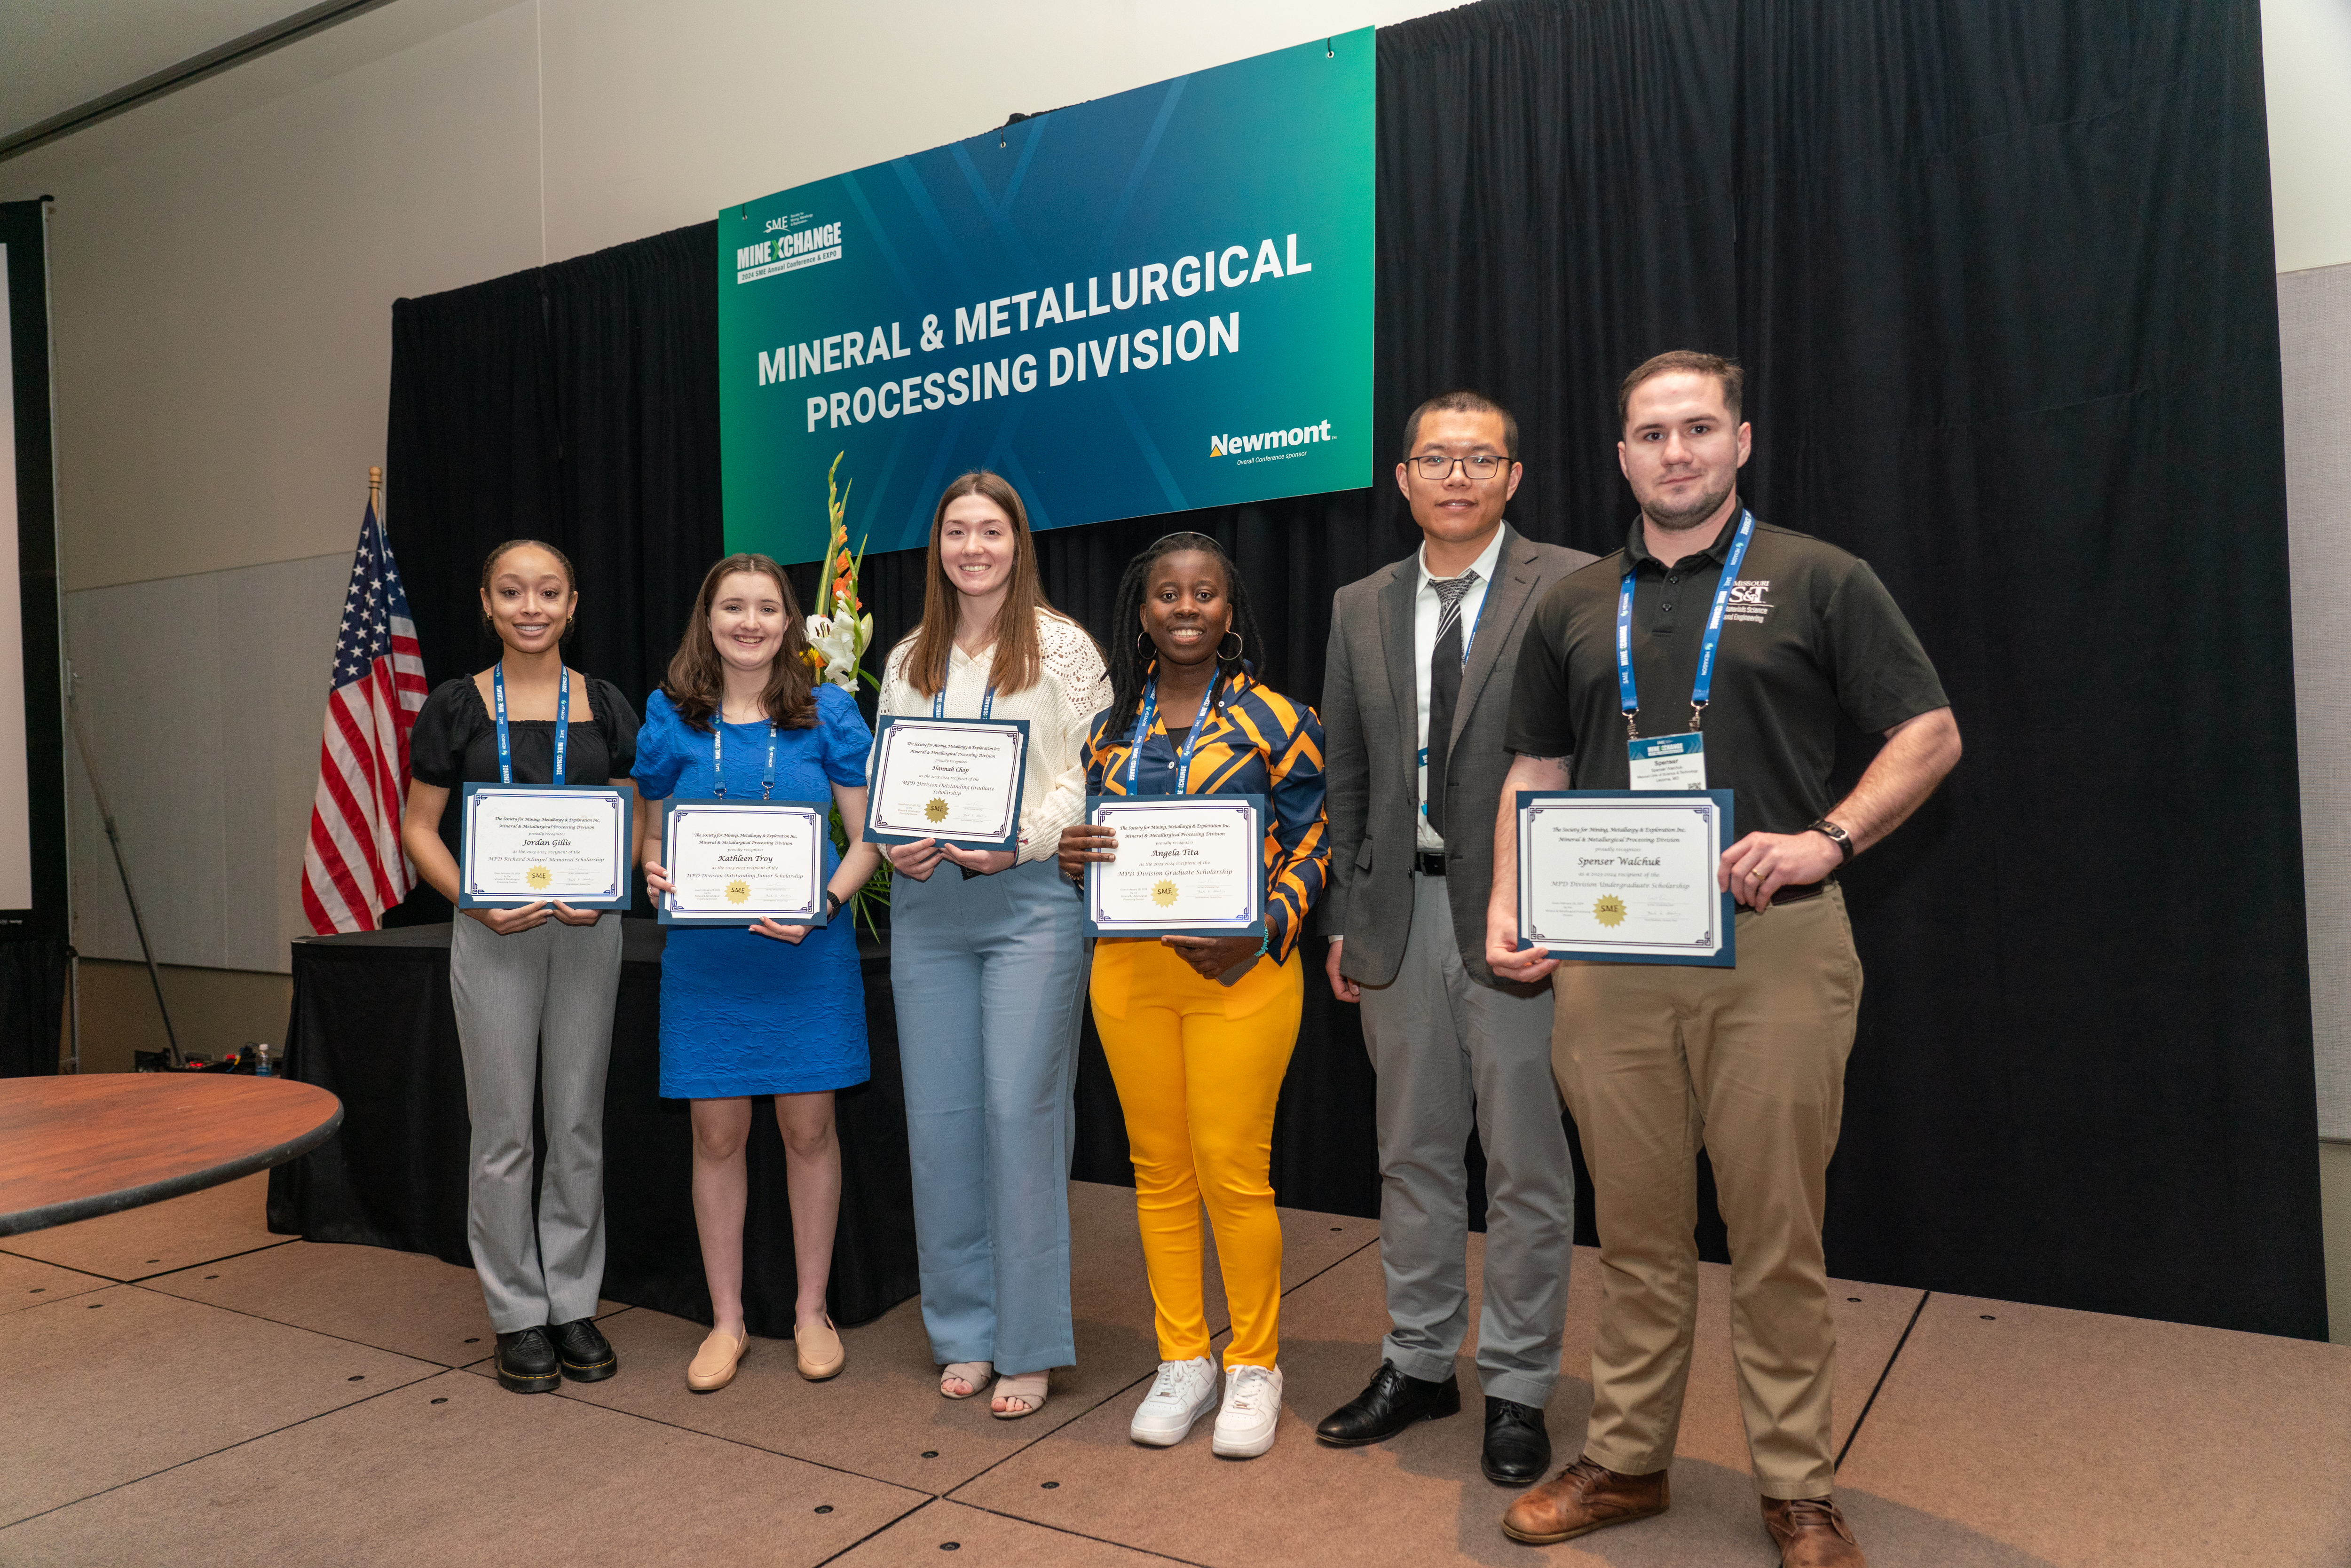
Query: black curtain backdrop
point(2001, 276)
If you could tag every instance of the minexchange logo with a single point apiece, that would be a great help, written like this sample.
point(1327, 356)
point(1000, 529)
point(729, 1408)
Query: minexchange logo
point(1268, 445)
point(786, 251)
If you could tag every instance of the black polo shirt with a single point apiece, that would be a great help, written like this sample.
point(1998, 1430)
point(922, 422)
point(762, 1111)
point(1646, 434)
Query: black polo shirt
point(1809, 632)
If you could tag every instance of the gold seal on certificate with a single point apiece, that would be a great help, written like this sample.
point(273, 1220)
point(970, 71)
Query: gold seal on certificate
point(523, 843)
point(734, 862)
point(1185, 865)
point(957, 781)
point(1626, 876)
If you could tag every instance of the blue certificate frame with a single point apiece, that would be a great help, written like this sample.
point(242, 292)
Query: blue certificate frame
point(818, 814)
point(1009, 839)
point(1715, 946)
point(477, 889)
point(1248, 920)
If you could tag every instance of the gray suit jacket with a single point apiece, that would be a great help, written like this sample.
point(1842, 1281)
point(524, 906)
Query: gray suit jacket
point(1371, 721)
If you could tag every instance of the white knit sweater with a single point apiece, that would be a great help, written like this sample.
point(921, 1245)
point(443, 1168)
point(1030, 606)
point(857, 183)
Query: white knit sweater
point(1060, 708)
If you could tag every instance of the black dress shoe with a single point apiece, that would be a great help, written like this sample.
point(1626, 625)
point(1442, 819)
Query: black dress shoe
point(527, 1362)
point(586, 1354)
point(1517, 1448)
point(1387, 1406)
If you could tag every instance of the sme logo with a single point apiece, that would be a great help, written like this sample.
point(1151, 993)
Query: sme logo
point(1268, 442)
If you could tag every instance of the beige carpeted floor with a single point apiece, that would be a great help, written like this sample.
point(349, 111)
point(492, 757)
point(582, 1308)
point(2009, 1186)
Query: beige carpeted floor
point(179, 1387)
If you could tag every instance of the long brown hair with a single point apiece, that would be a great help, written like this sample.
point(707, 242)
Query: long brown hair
point(696, 682)
point(1018, 662)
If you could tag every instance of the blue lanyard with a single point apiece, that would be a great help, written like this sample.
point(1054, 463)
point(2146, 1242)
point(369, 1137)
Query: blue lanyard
point(718, 756)
point(939, 704)
point(1143, 732)
point(562, 722)
point(1627, 698)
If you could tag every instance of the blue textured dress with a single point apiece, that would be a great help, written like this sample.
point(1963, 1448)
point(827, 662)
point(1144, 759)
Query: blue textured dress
point(743, 1014)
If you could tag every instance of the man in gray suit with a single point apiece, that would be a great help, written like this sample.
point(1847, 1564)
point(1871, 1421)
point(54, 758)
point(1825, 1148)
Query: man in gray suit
point(1416, 693)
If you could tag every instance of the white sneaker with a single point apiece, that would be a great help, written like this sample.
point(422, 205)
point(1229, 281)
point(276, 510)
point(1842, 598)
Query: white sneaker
point(1253, 1409)
point(1183, 1393)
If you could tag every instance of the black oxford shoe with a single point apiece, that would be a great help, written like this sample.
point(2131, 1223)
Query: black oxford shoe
point(527, 1362)
point(1517, 1448)
point(586, 1354)
point(1387, 1406)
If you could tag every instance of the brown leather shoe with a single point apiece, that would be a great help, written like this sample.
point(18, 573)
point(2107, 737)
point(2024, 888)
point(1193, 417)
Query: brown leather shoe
point(1810, 1533)
point(1582, 1497)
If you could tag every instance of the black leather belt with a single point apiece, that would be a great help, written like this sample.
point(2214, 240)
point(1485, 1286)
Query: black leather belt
point(1429, 862)
point(1799, 894)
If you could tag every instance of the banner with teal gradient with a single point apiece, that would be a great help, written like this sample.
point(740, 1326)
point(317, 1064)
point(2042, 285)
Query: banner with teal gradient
point(1148, 303)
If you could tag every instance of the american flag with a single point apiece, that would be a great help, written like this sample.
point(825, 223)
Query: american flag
point(353, 868)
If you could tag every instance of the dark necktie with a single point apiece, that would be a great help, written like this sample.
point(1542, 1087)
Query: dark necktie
point(1444, 688)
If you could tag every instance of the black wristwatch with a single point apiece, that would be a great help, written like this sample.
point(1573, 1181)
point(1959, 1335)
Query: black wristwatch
point(832, 903)
point(1835, 834)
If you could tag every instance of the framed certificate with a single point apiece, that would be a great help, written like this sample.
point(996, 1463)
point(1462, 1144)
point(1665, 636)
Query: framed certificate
point(957, 781)
point(1626, 876)
point(524, 843)
point(736, 863)
point(1188, 865)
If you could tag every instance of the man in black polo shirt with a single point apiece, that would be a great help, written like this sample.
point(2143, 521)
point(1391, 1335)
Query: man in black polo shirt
point(1655, 1061)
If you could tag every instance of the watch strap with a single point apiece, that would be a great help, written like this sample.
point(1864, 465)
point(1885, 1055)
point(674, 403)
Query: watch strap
point(1835, 835)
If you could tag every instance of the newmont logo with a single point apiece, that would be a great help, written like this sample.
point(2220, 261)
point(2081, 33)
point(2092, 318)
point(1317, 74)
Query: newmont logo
point(1254, 449)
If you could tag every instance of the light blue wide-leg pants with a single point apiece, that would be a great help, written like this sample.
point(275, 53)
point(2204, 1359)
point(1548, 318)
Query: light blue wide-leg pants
point(990, 974)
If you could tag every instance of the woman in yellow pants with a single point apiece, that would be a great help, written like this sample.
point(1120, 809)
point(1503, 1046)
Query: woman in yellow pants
point(1198, 1029)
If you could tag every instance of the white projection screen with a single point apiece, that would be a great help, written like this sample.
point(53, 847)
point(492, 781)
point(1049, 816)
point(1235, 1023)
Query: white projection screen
point(16, 805)
point(33, 886)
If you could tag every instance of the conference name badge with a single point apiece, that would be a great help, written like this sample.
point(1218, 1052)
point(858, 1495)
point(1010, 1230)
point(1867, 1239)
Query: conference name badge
point(1668, 761)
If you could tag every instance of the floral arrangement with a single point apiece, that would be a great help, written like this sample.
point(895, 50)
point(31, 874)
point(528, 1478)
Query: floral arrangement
point(837, 635)
point(840, 631)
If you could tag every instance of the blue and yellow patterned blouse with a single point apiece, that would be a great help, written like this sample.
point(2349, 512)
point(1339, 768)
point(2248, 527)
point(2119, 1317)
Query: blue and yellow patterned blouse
point(1255, 741)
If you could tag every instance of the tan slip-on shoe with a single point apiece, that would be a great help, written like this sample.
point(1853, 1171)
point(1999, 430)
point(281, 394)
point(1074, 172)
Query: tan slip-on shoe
point(1582, 1497)
point(1811, 1532)
point(714, 1364)
point(821, 1351)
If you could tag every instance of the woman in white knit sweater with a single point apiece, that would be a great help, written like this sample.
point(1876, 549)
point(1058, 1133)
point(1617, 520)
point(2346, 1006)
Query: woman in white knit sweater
point(987, 961)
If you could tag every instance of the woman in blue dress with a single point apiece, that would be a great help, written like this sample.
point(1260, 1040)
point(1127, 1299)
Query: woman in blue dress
point(766, 1009)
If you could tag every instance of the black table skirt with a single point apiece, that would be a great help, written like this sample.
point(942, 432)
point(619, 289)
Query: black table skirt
point(373, 1023)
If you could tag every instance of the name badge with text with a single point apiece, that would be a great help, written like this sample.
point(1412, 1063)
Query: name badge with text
point(1669, 761)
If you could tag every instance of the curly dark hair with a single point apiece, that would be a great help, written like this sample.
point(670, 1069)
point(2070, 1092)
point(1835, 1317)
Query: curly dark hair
point(1131, 666)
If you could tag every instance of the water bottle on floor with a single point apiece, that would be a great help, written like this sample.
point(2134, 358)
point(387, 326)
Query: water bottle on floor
point(259, 1049)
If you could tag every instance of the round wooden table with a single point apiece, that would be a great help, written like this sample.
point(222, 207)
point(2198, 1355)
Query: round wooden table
point(74, 1147)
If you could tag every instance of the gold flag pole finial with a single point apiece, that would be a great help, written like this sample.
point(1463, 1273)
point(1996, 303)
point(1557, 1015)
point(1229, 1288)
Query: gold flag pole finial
point(375, 479)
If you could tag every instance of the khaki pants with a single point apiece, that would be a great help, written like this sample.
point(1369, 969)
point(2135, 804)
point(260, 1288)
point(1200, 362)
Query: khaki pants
point(1654, 1060)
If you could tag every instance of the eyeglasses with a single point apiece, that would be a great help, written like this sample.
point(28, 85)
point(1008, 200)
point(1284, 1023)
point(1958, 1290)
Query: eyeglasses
point(1481, 466)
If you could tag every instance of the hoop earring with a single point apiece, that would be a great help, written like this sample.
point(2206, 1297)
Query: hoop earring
point(1142, 648)
point(1235, 656)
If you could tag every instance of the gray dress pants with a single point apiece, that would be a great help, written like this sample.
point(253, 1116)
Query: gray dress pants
point(1448, 1049)
point(536, 1009)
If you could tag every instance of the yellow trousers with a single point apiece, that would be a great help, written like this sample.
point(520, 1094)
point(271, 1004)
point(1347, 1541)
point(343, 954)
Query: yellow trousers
point(1198, 1068)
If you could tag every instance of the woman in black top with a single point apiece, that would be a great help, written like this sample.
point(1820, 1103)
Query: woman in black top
point(533, 986)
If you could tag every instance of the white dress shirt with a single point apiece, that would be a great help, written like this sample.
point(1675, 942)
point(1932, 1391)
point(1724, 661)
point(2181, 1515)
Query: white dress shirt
point(1425, 609)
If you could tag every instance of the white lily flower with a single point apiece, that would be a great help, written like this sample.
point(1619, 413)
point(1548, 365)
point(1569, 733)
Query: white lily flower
point(836, 640)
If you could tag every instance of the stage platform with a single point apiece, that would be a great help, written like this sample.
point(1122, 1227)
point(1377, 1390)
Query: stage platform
point(178, 1386)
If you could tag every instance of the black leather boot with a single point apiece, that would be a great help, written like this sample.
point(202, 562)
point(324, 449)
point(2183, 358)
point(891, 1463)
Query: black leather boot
point(1389, 1404)
point(586, 1354)
point(527, 1362)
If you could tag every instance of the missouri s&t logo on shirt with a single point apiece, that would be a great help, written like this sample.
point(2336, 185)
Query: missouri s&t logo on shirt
point(1751, 600)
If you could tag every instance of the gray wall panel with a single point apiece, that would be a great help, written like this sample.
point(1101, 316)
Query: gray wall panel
point(2314, 333)
point(202, 697)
